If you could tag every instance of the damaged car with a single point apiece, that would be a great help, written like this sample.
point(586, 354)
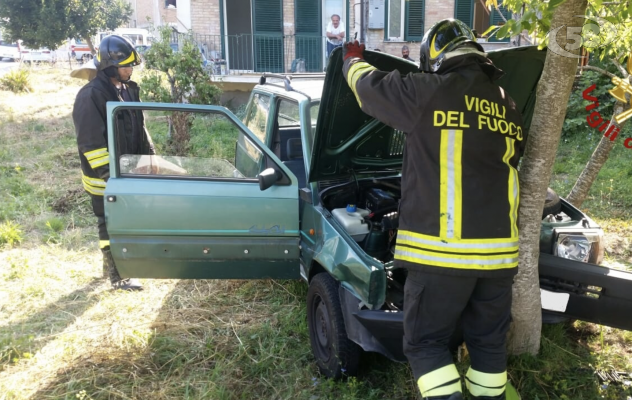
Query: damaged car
point(307, 186)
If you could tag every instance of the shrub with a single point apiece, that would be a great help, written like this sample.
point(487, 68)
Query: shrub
point(17, 81)
point(10, 233)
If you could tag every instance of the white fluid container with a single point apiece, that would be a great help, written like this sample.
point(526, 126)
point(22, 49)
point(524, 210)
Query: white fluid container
point(353, 222)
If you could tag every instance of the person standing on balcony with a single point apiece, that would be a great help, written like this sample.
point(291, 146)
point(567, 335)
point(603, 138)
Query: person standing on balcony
point(335, 33)
point(460, 244)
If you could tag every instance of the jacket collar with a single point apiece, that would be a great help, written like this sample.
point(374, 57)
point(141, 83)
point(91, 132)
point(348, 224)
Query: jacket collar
point(469, 58)
point(104, 79)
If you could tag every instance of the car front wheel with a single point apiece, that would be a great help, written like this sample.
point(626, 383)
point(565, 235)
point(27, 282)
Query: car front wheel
point(335, 354)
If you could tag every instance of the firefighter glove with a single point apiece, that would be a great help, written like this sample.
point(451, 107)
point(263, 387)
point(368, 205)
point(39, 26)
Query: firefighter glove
point(352, 49)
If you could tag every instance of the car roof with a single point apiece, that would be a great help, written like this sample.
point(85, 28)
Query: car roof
point(312, 87)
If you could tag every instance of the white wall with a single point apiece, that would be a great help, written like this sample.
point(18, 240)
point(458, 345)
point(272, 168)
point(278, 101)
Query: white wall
point(184, 15)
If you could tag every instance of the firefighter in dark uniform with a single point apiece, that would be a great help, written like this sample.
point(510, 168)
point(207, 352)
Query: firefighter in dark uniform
point(458, 236)
point(115, 60)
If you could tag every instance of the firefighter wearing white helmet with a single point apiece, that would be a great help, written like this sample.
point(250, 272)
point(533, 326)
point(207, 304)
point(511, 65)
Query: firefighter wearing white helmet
point(115, 61)
point(460, 244)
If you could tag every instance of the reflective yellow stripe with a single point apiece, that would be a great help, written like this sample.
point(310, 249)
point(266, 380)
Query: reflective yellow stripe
point(443, 390)
point(481, 262)
point(94, 186)
point(402, 240)
point(93, 190)
point(483, 384)
point(450, 183)
point(93, 181)
point(103, 244)
point(513, 186)
point(356, 71)
point(97, 162)
point(456, 243)
point(502, 245)
point(435, 383)
point(128, 60)
point(96, 153)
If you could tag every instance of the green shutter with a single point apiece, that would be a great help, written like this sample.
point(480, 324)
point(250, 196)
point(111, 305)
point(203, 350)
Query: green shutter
point(268, 32)
point(414, 20)
point(464, 11)
point(308, 41)
point(496, 19)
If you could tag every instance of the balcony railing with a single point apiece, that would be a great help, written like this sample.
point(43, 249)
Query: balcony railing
point(256, 53)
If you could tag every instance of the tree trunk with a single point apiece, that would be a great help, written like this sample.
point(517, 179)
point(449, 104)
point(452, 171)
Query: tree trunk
point(90, 44)
point(553, 93)
point(591, 170)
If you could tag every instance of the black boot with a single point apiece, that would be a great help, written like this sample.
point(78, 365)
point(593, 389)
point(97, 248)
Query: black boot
point(115, 278)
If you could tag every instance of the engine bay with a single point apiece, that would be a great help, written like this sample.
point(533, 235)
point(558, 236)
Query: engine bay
point(368, 211)
point(372, 221)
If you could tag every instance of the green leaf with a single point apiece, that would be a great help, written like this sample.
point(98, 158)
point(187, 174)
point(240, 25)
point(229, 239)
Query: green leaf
point(502, 32)
point(597, 3)
point(489, 31)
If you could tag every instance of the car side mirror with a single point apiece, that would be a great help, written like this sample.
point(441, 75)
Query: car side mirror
point(268, 177)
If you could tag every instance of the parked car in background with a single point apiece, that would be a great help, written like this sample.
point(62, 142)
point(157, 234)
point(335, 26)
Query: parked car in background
point(10, 50)
point(43, 54)
point(79, 50)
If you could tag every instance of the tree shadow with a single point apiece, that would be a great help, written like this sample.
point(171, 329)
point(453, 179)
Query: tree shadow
point(29, 335)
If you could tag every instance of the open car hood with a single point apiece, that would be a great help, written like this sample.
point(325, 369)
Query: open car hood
point(348, 141)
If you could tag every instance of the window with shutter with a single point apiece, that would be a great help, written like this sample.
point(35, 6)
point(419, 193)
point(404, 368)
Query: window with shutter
point(308, 40)
point(268, 32)
point(480, 18)
point(464, 10)
point(414, 20)
point(404, 20)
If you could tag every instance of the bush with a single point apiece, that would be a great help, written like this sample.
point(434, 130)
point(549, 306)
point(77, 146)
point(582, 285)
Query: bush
point(10, 233)
point(17, 81)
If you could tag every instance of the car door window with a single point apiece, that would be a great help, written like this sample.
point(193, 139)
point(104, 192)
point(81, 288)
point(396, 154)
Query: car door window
point(288, 113)
point(188, 144)
point(257, 117)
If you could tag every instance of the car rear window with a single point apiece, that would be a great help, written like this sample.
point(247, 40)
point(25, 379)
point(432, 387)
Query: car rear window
point(3, 43)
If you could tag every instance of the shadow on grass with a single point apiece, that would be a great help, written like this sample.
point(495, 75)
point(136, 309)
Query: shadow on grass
point(225, 340)
point(565, 367)
point(23, 338)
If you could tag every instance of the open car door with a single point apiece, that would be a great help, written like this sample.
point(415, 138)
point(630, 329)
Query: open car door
point(196, 209)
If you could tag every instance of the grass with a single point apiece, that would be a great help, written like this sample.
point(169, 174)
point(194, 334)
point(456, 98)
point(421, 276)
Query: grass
point(65, 335)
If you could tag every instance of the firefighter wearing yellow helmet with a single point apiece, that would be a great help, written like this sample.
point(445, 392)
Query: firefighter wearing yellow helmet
point(458, 233)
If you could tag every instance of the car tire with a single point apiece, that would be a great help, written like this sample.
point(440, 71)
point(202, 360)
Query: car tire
point(552, 203)
point(335, 354)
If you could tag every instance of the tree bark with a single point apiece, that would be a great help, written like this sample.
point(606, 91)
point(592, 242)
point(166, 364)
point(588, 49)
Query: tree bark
point(599, 157)
point(90, 44)
point(535, 172)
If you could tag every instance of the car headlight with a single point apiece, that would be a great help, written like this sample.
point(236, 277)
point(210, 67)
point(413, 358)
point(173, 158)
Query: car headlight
point(584, 247)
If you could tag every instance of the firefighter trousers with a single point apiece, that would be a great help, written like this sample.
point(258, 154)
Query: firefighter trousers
point(109, 268)
point(435, 305)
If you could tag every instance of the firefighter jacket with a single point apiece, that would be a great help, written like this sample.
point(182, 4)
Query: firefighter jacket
point(90, 118)
point(459, 208)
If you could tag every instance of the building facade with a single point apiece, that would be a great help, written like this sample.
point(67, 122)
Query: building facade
point(289, 35)
point(148, 13)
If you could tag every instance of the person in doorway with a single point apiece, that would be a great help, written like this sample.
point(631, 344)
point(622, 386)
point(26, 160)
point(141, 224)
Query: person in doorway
point(460, 244)
point(115, 61)
point(335, 33)
point(406, 53)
